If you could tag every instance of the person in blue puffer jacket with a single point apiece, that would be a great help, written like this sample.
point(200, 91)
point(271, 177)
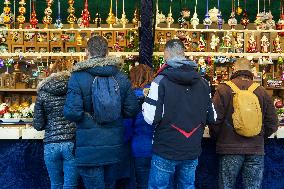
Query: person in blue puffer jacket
point(142, 145)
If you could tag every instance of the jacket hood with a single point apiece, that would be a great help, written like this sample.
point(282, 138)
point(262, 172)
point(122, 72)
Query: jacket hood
point(242, 73)
point(184, 75)
point(55, 84)
point(107, 66)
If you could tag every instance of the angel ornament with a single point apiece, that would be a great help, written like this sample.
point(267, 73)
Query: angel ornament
point(214, 42)
point(264, 44)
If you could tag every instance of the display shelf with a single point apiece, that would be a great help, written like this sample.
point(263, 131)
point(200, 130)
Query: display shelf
point(218, 30)
point(17, 90)
point(274, 88)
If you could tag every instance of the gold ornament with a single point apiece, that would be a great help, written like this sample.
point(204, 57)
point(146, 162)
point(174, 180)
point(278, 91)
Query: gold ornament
point(136, 17)
point(71, 19)
point(111, 18)
point(47, 19)
point(22, 10)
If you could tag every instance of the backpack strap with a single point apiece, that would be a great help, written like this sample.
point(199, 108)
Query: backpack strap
point(253, 87)
point(233, 86)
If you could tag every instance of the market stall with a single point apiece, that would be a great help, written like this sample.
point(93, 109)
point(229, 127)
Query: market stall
point(38, 33)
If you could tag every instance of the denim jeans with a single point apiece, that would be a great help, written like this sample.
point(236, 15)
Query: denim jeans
point(250, 166)
point(142, 172)
point(162, 170)
point(60, 164)
point(99, 177)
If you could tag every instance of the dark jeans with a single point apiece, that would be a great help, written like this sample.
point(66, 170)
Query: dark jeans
point(60, 164)
point(163, 170)
point(250, 166)
point(142, 172)
point(97, 177)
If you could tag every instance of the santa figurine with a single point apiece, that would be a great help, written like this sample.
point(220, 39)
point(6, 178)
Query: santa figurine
point(277, 46)
point(201, 44)
point(264, 44)
point(251, 44)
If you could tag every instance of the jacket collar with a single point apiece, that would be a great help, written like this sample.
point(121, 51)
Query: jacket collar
point(242, 73)
point(95, 62)
point(59, 75)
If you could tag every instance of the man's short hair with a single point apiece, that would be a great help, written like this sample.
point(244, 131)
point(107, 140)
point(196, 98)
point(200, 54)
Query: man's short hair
point(175, 47)
point(97, 46)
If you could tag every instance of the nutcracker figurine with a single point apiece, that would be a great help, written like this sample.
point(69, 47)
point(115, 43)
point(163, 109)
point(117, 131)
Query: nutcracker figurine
point(264, 44)
point(277, 45)
point(251, 45)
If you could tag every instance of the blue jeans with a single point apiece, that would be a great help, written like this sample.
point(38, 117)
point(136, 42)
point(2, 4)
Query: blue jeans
point(162, 170)
point(100, 177)
point(250, 166)
point(142, 172)
point(60, 163)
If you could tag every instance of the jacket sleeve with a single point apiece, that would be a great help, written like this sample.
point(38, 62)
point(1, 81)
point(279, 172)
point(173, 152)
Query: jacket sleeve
point(130, 105)
point(73, 109)
point(219, 107)
point(270, 120)
point(39, 119)
point(211, 112)
point(153, 107)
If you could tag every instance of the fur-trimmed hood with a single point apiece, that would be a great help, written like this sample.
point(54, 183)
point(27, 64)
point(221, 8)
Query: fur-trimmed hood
point(96, 62)
point(55, 84)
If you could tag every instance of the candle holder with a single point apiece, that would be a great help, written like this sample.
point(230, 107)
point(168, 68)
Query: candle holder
point(71, 19)
point(33, 19)
point(22, 10)
point(47, 19)
point(111, 18)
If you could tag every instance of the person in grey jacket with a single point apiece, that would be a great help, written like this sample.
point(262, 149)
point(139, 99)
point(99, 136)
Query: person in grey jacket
point(59, 132)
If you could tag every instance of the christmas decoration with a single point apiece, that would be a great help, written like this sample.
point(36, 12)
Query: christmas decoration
point(201, 44)
point(7, 17)
point(111, 18)
point(84, 21)
point(136, 17)
point(58, 22)
point(264, 43)
point(47, 19)
point(33, 19)
point(123, 19)
point(245, 20)
point(207, 21)
point(22, 10)
point(277, 46)
point(239, 45)
point(169, 19)
point(71, 19)
point(252, 44)
point(214, 42)
point(239, 9)
point(98, 19)
point(194, 20)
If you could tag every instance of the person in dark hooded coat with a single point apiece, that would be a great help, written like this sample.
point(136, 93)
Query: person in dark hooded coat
point(179, 106)
point(99, 147)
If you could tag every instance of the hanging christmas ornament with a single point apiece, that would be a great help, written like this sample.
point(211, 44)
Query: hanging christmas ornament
point(7, 17)
point(219, 16)
point(22, 10)
point(136, 17)
point(214, 42)
point(207, 21)
point(58, 22)
point(71, 19)
point(264, 43)
point(33, 19)
point(280, 23)
point(185, 11)
point(181, 20)
point(111, 18)
point(245, 20)
point(194, 20)
point(84, 21)
point(259, 16)
point(213, 13)
point(169, 19)
point(252, 44)
point(47, 19)
point(277, 45)
point(123, 19)
point(98, 19)
point(233, 21)
point(117, 21)
point(270, 23)
point(239, 9)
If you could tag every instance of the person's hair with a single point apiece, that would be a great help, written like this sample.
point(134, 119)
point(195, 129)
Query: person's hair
point(175, 48)
point(97, 46)
point(59, 66)
point(242, 64)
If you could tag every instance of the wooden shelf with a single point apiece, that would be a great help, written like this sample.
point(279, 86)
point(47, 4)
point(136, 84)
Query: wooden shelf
point(274, 88)
point(17, 90)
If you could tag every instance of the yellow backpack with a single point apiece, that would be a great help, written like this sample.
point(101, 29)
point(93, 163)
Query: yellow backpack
point(247, 116)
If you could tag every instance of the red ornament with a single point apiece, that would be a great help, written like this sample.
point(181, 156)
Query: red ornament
point(85, 16)
point(33, 20)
